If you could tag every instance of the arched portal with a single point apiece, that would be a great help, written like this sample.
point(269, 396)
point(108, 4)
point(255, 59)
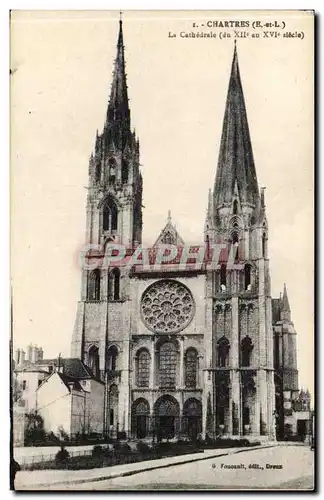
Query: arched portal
point(192, 418)
point(140, 418)
point(167, 417)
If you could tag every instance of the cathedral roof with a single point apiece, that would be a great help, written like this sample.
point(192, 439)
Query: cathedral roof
point(169, 235)
point(235, 162)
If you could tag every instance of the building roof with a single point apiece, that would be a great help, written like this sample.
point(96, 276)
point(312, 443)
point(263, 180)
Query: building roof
point(28, 366)
point(72, 367)
point(235, 167)
point(70, 382)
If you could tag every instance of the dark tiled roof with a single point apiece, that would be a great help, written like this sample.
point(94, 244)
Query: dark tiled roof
point(72, 367)
point(70, 380)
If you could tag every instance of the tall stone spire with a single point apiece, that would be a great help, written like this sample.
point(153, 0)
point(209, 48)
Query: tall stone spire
point(235, 162)
point(285, 307)
point(118, 113)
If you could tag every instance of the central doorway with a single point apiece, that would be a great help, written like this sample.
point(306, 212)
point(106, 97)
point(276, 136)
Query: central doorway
point(166, 424)
point(166, 412)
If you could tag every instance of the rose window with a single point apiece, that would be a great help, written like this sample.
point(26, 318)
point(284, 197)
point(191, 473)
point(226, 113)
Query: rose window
point(167, 307)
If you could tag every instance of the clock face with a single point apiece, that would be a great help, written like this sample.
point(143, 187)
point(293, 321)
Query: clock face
point(167, 306)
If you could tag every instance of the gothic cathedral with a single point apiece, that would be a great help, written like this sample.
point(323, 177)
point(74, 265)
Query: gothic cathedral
point(184, 352)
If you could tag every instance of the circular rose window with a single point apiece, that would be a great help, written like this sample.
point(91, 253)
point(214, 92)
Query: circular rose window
point(167, 306)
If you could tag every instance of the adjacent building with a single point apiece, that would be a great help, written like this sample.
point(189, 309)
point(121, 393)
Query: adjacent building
point(71, 399)
point(64, 392)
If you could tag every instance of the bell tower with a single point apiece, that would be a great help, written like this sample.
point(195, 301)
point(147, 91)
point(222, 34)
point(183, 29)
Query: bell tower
point(113, 215)
point(242, 354)
point(114, 205)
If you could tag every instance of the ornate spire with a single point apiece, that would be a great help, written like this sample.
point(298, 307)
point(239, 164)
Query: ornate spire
point(285, 307)
point(235, 162)
point(118, 113)
point(169, 220)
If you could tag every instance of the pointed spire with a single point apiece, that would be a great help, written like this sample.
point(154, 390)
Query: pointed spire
point(235, 162)
point(169, 220)
point(118, 113)
point(285, 301)
point(285, 307)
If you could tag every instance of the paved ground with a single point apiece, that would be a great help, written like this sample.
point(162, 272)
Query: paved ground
point(44, 479)
point(296, 472)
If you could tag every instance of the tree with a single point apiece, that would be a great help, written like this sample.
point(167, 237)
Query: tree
point(16, 390)
point(34, 428)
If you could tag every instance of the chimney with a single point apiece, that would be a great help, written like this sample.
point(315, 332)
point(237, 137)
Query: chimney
point(29, 352)
point(22, 357)
point(34, 354)
point(40, 354)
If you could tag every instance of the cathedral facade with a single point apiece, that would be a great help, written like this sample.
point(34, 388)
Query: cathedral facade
point(185, 351)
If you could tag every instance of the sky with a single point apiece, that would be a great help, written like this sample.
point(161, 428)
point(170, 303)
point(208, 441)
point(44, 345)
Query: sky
point(61, 66)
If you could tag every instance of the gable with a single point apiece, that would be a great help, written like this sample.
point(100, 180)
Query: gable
point(169, 235)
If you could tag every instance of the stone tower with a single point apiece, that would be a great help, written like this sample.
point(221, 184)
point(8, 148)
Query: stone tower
point(285, 361)
point(238, 301)
point(113, 214)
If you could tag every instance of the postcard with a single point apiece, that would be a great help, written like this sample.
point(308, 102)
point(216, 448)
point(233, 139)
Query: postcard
point(162, 278)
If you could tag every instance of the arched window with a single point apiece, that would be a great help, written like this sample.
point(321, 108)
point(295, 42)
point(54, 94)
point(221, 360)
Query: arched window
point(235, 207)
point(110, 215)
point(113, 405)
point(246, 349)
point(114, 284)
point(223, 276)
point(143, 368)
point(112, 170)
point(223, 347)
point(124, 172)
point(98, 171)
point(167, 365)
point(94, 285)
point(264, 243)
point(112, 355)
point(191, 368)
point(247, 277)
point(93, 357)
